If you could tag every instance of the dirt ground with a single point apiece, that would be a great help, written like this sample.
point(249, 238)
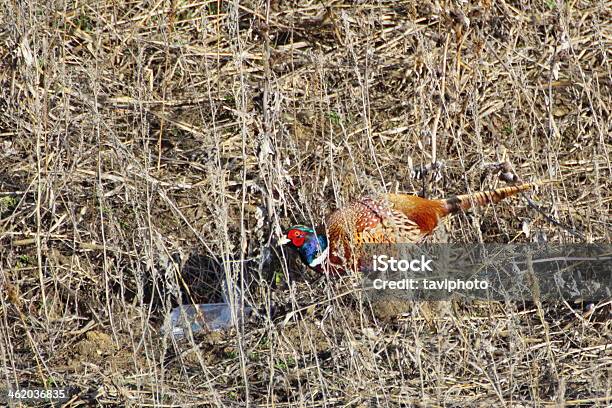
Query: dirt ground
point(149, 151)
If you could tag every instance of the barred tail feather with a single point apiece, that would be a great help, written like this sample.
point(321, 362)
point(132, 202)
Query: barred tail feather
point(481, 198)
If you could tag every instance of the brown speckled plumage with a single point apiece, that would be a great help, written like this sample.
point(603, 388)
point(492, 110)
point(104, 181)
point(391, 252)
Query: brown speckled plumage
point(397, 218)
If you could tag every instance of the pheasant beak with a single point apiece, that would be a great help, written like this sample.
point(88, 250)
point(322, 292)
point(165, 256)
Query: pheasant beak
point(284, 241)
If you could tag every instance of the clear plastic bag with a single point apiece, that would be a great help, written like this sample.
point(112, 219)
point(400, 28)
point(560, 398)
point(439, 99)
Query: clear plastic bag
point(207, 317)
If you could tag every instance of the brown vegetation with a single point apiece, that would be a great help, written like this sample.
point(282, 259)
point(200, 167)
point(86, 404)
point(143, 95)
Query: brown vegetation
point(148, 149)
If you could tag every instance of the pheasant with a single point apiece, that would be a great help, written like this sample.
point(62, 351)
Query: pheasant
point(388, 219)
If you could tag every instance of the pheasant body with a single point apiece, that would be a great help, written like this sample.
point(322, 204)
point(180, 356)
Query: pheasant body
point(388, 218)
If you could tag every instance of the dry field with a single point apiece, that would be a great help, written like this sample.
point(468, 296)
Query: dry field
point(150, 150)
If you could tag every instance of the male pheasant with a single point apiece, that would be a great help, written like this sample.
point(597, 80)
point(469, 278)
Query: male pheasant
point(388, 218)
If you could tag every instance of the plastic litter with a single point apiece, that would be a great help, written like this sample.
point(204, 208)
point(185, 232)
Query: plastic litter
point(207, 317)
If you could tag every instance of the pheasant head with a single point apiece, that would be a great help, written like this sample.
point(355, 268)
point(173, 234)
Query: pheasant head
point(311, 246)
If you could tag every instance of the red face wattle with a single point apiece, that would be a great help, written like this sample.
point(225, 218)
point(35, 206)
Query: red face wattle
point(297, 237)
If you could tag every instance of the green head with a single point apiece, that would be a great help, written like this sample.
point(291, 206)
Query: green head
point(312, 247)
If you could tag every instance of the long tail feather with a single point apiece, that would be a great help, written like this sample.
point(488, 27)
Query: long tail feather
point(466, 201)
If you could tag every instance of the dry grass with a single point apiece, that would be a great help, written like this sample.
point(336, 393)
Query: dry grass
point(146, 148)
